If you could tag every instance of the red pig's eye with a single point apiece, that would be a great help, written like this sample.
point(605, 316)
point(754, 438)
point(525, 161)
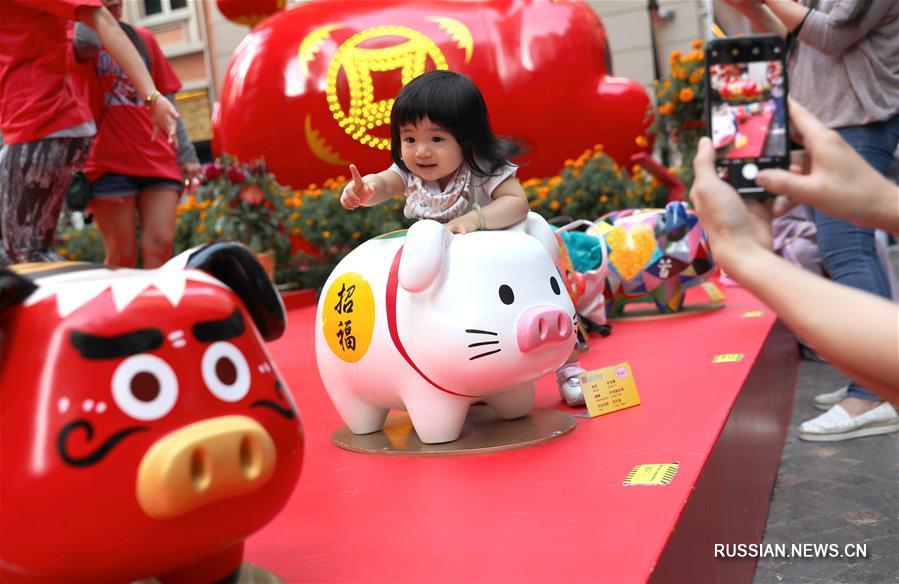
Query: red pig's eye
point(145, 387)
point(226, 372)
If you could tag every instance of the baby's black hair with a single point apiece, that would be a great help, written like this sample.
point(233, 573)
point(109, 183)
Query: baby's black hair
point(452, 101)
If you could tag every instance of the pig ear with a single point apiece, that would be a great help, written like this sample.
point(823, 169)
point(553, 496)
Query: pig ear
point(13, 289)
point(536, 226)
point(237, 267)
point(423, 255)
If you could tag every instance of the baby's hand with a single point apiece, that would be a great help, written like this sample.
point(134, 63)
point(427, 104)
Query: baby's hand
point(357, 192)
point(462, 225)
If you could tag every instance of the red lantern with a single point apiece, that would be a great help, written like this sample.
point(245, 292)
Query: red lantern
point(312, 87)
point(249, 12)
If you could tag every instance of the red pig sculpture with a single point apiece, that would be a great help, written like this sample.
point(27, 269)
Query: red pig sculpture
point(311, 88)
point(145, 430)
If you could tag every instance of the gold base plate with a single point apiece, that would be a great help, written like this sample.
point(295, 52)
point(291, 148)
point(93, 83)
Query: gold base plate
point(483, 432)
point(650, 312)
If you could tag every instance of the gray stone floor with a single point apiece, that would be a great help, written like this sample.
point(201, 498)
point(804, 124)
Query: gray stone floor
point(833, 493)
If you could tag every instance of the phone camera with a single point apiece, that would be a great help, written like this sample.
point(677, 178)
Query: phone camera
point(756, 50)
point(776, 50)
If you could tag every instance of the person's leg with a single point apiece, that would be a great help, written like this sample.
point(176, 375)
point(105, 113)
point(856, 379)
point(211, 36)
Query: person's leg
point(114, 216)
point(156, 206)
point(849, 255)
point(848, 252)
point(34, 177)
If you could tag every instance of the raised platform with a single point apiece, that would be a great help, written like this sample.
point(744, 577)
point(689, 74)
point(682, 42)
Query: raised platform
point(557, 512)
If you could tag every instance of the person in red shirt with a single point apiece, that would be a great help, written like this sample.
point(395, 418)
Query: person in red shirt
point(45, 121)
point(129, 172)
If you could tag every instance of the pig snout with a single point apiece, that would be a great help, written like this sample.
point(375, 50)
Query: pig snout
point(204, 462)
point(543, 325)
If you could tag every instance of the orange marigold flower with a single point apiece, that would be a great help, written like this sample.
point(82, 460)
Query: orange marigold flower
point(696, 76)
point(685, 95)
point(641, 141)
point(666, 109)
point(674, 56)
point(554, 205)
point(697, 44)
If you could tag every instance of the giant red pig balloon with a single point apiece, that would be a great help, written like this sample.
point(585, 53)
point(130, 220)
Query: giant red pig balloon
point(145, 430)
point(249, 12)
point(311, 88)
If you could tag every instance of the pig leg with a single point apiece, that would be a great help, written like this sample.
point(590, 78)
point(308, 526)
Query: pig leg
point(514, 403)
point(359, 416)
point(437, 417)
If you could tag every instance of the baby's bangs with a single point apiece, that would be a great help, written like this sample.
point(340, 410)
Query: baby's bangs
point(435, 101)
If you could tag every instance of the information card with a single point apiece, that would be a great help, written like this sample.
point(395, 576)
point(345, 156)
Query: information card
point(609, 389)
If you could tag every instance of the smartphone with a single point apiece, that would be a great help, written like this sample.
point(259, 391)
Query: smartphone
point(746, 108)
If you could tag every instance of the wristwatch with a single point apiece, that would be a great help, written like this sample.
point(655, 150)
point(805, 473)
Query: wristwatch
point(151, 99)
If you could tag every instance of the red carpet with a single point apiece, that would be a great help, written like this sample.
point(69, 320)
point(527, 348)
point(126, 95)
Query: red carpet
point(556, 512)
point(755, 128)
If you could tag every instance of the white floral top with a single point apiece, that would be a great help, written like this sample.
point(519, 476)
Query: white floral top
point(426, 200)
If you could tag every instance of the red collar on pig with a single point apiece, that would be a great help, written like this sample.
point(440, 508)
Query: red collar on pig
point(392, 287)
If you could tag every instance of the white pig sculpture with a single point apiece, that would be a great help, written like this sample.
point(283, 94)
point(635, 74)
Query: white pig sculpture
point(431, 322)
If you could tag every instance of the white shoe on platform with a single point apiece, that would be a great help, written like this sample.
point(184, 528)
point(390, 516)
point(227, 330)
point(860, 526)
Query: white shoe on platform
point(837, 424)
point(825, 401)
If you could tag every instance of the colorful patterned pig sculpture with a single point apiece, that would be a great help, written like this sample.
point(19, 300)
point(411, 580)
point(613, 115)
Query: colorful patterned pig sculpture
point(430, 322)
point(145, 430)
point(654, 254)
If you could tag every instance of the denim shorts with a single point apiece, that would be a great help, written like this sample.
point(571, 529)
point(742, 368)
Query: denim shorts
point(121, 185)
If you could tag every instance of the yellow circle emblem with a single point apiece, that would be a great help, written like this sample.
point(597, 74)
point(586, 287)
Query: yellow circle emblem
point(358, 64)
point(348, 317)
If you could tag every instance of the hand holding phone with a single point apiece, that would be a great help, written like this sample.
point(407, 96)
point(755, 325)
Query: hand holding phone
point(746, 108)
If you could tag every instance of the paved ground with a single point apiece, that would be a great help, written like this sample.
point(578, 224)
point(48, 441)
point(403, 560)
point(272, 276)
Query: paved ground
point(833, 493)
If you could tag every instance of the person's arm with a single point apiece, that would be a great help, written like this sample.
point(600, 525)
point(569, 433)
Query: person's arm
point(119, 46)
point(834, 178)
point(823, 32)
point(509, 206)
point(856, 331)
point(86, 42)
point(761, 19)
point(371, 189)
point(789, 12)
point(187, 154)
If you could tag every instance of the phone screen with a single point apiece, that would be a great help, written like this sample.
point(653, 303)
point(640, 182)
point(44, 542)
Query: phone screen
point(747, 109)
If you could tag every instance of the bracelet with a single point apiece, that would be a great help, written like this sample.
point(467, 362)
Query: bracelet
point(151, 99)
point(482, 223)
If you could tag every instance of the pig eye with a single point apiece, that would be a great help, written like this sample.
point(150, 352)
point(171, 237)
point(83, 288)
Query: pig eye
point(226, 372)
point(554, 284)
point(145, 387)
point(506, 294)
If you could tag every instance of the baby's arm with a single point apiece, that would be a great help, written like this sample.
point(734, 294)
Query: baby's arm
point(371, 189)
point(509, 206)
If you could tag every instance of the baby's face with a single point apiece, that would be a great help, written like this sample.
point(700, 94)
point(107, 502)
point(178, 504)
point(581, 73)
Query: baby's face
point(430, 151)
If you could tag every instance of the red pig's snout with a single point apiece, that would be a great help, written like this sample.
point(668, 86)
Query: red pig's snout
point(543, 325)
point(204, 462)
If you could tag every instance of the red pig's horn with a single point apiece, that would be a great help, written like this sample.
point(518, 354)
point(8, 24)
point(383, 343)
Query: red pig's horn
point(13, 289)
point(237, 267)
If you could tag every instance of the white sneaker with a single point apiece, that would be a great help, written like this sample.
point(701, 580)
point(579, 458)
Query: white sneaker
point(825, 401)
point(569, 384)
point(837, 424)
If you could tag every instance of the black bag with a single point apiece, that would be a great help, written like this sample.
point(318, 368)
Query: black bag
point(78, 196)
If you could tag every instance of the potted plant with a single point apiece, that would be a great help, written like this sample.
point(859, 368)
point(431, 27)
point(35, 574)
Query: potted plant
point(242, 202)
